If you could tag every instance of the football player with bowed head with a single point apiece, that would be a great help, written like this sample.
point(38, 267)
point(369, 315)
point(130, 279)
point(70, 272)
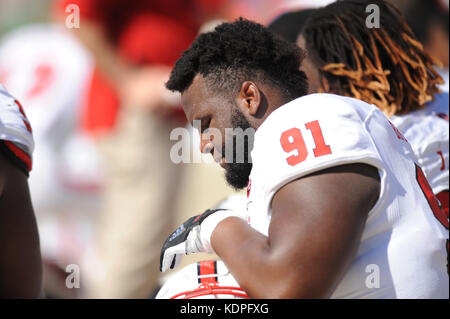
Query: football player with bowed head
point(20, 257)
point(333, 189)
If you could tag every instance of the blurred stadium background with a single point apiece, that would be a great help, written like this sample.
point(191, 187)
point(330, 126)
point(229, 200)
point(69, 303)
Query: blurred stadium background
point(50, 71)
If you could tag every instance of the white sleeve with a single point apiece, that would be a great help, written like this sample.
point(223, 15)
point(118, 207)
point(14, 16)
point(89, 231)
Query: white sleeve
point(433, 157)
point(302, 138)
point(15, 129)
point(428, 133)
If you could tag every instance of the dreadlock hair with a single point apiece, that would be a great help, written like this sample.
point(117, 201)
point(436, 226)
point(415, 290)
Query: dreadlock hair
point(237, 52)
point(385, 66)
point(289, 24)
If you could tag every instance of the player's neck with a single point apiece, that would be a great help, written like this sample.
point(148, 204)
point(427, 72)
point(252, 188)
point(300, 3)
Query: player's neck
point(271, 99)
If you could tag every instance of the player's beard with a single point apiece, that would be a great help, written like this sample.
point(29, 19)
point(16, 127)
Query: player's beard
point(237, 174)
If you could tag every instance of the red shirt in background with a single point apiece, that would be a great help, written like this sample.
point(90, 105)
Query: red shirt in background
point(145, 32)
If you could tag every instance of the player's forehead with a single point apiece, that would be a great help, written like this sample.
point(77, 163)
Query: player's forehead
point(195, 98)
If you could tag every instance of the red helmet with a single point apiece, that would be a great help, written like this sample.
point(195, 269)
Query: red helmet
point(208, 279)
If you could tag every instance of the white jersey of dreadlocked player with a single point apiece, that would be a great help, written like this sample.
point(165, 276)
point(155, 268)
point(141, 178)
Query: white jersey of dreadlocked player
point(402, 252)
point(15, 128)
point(427, 131)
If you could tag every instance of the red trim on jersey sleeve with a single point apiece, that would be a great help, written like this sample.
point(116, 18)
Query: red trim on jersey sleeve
point(25, 121)
point(23, 156)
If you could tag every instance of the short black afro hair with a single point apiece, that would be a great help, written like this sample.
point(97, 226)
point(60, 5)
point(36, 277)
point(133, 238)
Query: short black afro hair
point(237, 52)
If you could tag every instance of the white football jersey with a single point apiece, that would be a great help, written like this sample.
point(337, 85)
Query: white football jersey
point(15, 129)
point(427, 131)
point(402, 253)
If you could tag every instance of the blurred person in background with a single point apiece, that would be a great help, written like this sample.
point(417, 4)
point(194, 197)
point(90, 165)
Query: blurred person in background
point(131, 115)
point(429, 21)
point(47, 69)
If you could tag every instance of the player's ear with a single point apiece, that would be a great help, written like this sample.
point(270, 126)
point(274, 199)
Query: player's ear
point(249, 97)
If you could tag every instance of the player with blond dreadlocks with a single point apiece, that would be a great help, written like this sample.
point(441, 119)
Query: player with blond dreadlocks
point(387, 67)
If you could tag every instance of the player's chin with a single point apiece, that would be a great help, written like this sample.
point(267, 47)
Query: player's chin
point(237, 174)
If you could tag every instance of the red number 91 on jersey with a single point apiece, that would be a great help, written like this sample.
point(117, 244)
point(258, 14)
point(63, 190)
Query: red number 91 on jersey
point(292, 139)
